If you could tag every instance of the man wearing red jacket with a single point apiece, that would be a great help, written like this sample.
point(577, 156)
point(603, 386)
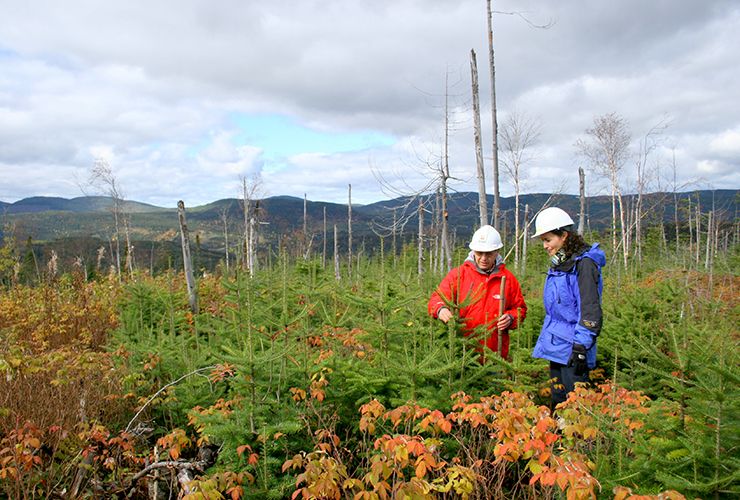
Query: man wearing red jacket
point(476, 287)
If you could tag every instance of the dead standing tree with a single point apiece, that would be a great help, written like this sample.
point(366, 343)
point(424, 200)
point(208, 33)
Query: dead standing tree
point(433, 194)
point(582, 200)
point(518, 135)
point(349, 233)
point(443, 175)
point(482, 201)
point(187, 262)
point(494, 118)
point(102, 177)
point(224, 216)
point(648, 144)
point(607, 150)
point(250, 190)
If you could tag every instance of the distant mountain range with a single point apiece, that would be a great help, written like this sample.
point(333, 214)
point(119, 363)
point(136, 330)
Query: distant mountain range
point(80, 204)
point(45, 219)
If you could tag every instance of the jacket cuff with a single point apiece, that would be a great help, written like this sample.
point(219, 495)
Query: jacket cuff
point(513, 315)
point(583, 336)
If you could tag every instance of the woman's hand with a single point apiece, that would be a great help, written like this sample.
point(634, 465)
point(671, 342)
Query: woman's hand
point(444, 315)
point(504, 322)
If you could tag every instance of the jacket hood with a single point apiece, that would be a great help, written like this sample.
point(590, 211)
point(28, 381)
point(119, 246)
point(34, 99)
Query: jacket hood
point(596, 254)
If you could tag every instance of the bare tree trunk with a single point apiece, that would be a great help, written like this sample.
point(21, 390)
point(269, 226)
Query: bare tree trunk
point(482, 201)
point(225, 220)
point(710, 233)
point(306, 250)
point(698, 229)
point(628, 218)
point(494, 120)
point(113, 255)
point(420, 247)
point(607, 151)
point(247, 202)
point(625, 249)
point(187, 263)
point(504, 227)
point(129, 248)
point(675, 205)
point(438, 252)
point(614, 221)
point(101, 255)
point(118, 242)
point(638, 225)
point(582, 190)
point(663, 235)
point(337, 274)
point(445, 174)
point(690, 216)
point(323, 253)
point(252, 246)
point(519, 133)
point(524, 241)
point(516, 227)
point(393, 236)
point(349, 234)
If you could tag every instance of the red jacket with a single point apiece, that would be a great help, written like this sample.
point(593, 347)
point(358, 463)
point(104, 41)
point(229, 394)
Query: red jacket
point(466, 282)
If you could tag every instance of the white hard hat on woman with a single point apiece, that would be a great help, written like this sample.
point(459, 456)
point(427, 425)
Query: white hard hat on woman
point(550, 219)
point(486, 239)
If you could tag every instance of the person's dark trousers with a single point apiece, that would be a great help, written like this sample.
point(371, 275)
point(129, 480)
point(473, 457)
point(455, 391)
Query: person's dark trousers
point(563, 381)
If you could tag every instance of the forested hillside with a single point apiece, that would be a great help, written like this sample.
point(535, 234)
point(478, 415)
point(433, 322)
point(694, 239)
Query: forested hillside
point(78, 228)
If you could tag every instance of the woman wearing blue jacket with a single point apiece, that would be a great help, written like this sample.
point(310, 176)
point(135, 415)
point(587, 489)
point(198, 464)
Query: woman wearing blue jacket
point(572, 298)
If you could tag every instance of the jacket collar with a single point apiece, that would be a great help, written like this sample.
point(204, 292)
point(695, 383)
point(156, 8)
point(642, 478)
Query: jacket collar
point(496, 266)
point(587, 251)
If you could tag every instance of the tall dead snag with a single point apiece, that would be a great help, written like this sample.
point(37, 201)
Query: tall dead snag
point(224, 213)
point(698, 229)
point(420, 247)
point(494, 119)
point(252, 255)
point(187, 262)
point(102, 177)
point(436, 262)
point(675, 205)
point(323, 253)
point(607, 151)
point(250, 190)
point(444, 176)
point(582, 191)
point(349, 234)
point(337, 275)
point(246, 205)
point(482, 202)
point(648, 143)
point(518, 135)
point(394, 230)
point(306, 250)
point(525, 239)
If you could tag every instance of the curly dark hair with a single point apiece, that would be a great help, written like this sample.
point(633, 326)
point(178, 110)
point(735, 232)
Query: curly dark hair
point(573, 244)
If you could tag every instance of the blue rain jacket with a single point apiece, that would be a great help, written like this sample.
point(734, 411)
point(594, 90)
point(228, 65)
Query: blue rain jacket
point(572, 298)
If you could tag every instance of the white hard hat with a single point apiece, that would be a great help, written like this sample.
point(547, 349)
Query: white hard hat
point(550, 219)
point(486, 239)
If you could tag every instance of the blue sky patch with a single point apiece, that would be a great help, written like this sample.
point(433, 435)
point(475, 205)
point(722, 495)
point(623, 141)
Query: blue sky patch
point(281, 136)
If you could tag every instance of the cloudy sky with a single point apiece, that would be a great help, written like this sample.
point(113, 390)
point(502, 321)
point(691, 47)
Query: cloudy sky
point(183, 98)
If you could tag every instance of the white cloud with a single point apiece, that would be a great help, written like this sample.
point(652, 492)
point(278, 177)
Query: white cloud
point(157, 91)
point(726, 143)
